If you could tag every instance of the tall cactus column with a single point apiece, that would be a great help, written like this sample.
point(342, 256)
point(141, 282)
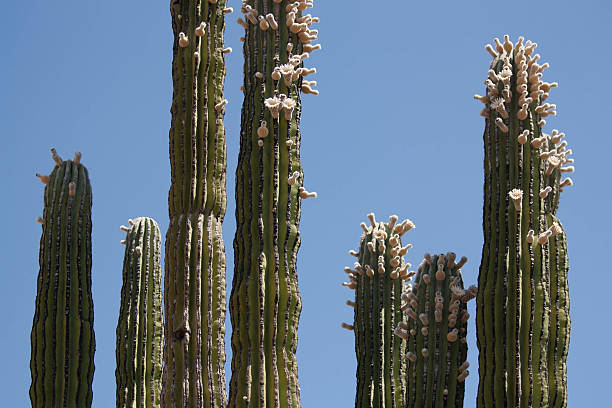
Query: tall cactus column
point(265, 303)
point(194, 287)
point(63, 343)
point(522, 303)
point(140, 329)
point(378, 278)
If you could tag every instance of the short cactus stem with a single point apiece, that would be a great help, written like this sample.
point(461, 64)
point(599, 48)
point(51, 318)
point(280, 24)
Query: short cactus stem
point(437, 351)
point(519, 271)
point(63, 343)
point(140, 326)
point(265, 302)
point(194, 281)
point(378, 314)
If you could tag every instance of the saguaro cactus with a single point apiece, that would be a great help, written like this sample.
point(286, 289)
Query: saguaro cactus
point(63, 343)
point(436, 333)
point(523, 346)
point(265, 302)
point(378, 280)
point(140, 328)
point(194, 287)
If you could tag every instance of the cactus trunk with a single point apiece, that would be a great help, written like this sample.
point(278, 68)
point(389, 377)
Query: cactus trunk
point(436, 333)
point(194, 283)
point(378, 280)
point(63, 343)
point(265, 303)
point(140, 326)
point(520, 272)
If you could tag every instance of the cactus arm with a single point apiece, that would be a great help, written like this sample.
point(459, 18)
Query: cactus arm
point(140, 325)
point(194, 291)
point(559, 318)
point(437, 329)
point(378, 281)
point(513, 303)
point(63, 320)
point(265, 303)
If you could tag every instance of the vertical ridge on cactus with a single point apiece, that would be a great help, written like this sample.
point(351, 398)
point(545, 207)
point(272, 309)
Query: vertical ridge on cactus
point(523, 167)
point(378, 278)
point(194, 282)
point(62, 339)
point(265, 302)
point(436, 333)
point(140, 325)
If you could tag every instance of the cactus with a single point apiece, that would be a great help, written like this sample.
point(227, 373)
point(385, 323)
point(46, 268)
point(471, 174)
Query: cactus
point(265, 303)
point(436, 333)
point(194, 282)
point(524, 268)
point(140, 327)
point(63, 343)
point(378, 280)
point(559, 326)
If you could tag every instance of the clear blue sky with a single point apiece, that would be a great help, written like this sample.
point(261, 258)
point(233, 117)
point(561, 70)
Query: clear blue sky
point(394, 130)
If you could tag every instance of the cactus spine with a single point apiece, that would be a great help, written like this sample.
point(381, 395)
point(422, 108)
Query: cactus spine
point(194, 288)
point(140, 326)
point(378, 280)
point(265, 303)
point(63, 343)
point(436, 333)
point(523, 269)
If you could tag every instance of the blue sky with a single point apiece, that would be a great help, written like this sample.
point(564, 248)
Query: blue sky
point(395, 131)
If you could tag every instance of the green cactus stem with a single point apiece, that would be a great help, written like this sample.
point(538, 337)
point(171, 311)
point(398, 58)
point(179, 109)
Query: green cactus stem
point(559, 317)
point(194, 282)
point(378, 279)
point(63, 343)
point(265, 303)
point(523, 268)
point(140, 329)
point(436, 351)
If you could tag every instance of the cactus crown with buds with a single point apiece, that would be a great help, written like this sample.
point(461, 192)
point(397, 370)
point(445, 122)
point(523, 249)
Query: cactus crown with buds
point(378, 278)
point(436, 307)
point(523, 167)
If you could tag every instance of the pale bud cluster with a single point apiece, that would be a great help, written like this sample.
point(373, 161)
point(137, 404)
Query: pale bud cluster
point(383, 235)
point(297, 24)
point(456, 314)
point(279, 103)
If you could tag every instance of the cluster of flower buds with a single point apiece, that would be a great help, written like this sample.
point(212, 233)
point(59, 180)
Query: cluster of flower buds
point(517, 60)
point(380, 238)
point(278, 103)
